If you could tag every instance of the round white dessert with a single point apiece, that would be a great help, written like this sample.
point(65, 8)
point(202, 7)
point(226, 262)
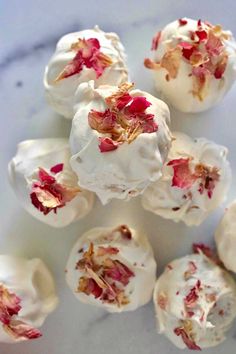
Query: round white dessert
point(195, 181)
point(225, 237)
point(193, 84)
point(195, 302)
point(33, 155)
point(127, 170)
point(112, 268)
point(61, 93)
point(27, 296)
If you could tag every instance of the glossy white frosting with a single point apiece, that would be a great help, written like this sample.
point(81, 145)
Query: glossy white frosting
point(225, 237)
point(45, 153)
point(212, 313)
point(178, 91)
point(31, 281)
point(61, 94)
point(127, 171)
point(161, 197)
point(135, 253)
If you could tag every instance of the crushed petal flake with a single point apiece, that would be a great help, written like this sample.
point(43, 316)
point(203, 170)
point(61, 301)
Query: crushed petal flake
point(124, 119)
point(47, 195)
point(89, 55)
point(10, 306)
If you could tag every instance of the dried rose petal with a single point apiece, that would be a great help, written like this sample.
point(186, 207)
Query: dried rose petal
point(187, 49)
point(107, 144)
point(138, 105)
point(88, 55)
point(192, 297)
point(209, 176)
point(183, 177)
point(57, 168)
point(221, 66)
point(202, 35)
point(103, 122)
point(89, 287)
point(156, 40)
point(150, 64)
point(171, 61)
point(117, 271)
point(182, 22)
point(47, 195)
point(192, 268)
point(214, 45)
point(180, 331)
point(9, 305)
point(20, 330)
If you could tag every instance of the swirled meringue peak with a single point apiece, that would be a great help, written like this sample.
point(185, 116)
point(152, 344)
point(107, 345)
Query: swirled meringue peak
point(113, 268)
point(194, 64)
point(79, 57)
point(119, 140)
point(225, 237)
point(44, 183)
point(27, 296)
point(195, 302)
point(195, 181)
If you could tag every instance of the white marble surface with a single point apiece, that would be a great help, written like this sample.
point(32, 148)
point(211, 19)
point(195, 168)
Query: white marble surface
point(29, 30)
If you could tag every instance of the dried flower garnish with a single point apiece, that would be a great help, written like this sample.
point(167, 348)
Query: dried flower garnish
point(103, 277)
point(162, 300)
point(204, 51)
point(192, 268)
point(89, 55)
point(192, 297)
point(182, 22)
point(207, 251)
point(47, 195)
point(124, 119)
point(10, 306)
point(155, 41)
point(187, 336)
point(184, 177)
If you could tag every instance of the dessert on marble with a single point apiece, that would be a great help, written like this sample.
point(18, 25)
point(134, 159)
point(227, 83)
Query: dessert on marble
point(44, 183)
point(225, 237)
point(27, 296)
point(194, 63)
point(119, 140)
point(195, 302)
point(195, 181)
point(79, 57)
point(113, 268)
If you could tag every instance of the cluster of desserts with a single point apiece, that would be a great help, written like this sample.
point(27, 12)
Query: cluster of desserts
point(120, 146)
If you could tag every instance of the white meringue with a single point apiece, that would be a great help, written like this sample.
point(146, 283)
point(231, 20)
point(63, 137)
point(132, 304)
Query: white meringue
point(125, 248)
point(128, 170)
point(60, 94)
point(178, 91)
point(195, 302)
point(225, 237)
point(193, 203)
point(23, 173)
point(31, 282)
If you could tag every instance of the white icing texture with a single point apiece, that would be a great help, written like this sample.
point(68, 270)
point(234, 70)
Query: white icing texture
point(129, 268)
point(61, 94)
point(128, 170)
point(179, 91)
point(195, 302)
point(23, 173)
point(190, 203)
point(32, 283)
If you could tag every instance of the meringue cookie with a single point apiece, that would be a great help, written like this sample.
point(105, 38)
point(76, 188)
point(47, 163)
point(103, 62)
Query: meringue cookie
point(42, 179)
point(112, 268)
point(27, 296)
point(195, 302)
point(119, 140)
point(60, 90)
point(225, 237)
point(195, 181)
point(194, 64)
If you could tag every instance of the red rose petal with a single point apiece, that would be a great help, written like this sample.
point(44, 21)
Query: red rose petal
point(180, 331)
point(57, 168)
point(156, 40)
point(20, 330)
point(187, 49)
point(192, 297)
point(182, 22)
point(202, 35)
point(123, 100)
point(138, 105)
point(183, 177)
point(107, 144)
